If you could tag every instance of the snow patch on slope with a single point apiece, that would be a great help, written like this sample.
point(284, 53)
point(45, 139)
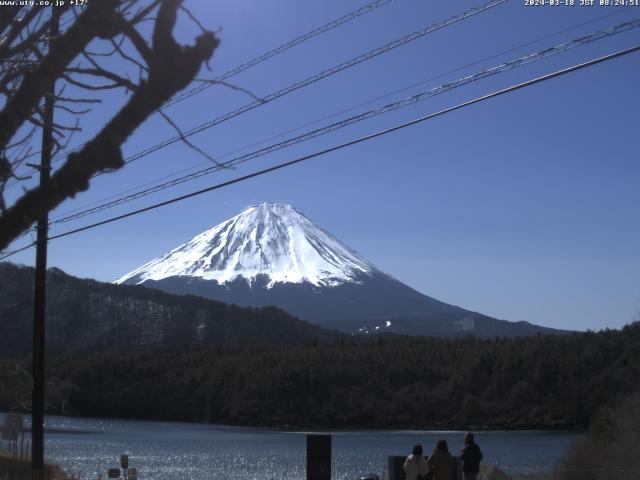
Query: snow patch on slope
point(270, 239)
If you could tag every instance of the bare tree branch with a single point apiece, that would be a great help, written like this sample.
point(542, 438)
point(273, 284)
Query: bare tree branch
point(64, 49)
point(186, 141)
point(171, 67)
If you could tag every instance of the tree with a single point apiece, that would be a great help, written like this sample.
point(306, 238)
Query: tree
point(102, 40)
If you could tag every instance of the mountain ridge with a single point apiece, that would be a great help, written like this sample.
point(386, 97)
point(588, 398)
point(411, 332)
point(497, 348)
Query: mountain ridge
point(85, 316)
point(271, 254)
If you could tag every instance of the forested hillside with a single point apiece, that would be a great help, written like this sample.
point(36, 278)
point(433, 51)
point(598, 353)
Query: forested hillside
point(85, 316)
point(537, 382)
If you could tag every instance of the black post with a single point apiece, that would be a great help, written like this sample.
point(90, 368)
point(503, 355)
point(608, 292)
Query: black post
point(396, 467)
point(318, 457)
point(39, 299)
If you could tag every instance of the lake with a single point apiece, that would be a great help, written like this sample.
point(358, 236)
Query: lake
point(165, 450)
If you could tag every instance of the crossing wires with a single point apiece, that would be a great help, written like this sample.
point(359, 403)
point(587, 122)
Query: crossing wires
point(356, 141)
point(369, 102)
point(388, 47)
point(371, 7)
point(368, 8)
point(405, 102)
point(399, 42)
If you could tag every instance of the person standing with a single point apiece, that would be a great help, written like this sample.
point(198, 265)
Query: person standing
point(471, 456)
point(415, 466)
point(441, 463)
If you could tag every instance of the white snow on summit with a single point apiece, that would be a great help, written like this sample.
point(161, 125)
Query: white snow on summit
point(269, 239)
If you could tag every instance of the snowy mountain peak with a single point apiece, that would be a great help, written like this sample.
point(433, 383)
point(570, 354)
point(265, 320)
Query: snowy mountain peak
point(270, 239)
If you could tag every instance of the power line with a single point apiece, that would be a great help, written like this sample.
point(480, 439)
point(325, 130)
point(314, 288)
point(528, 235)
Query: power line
point(525, 60)
point(368, 8)
point(341, 146)
point(333, 115)
point(371, 7)
point(324, 74)
point(319, 76)
point(399, 42)
point(13, 252)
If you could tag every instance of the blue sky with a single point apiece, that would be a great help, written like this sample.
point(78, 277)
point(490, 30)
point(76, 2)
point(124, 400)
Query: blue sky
point(524, 207)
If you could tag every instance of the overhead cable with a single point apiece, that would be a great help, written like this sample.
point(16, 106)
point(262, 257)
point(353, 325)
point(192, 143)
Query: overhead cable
point(371, 7)
point(349, 109)
point(341, 146)
point(368, 8)
point(510, 65)
point(319, 76)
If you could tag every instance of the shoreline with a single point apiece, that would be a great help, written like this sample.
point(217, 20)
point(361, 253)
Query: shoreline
point(321, 428)
point(206, 436)
point(492, 472)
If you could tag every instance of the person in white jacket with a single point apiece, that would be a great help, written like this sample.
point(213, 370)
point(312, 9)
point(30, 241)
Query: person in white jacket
point(415, 466)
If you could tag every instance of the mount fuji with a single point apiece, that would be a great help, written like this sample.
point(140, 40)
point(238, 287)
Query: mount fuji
point(271, 254)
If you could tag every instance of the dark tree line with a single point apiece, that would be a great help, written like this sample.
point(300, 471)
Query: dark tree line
point(535, 382)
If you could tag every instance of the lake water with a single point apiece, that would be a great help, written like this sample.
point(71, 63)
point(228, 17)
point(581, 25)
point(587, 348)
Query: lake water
point(163, 450)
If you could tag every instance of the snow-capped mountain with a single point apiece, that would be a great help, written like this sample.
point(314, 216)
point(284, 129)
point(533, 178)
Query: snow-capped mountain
point(272, 240)
point(271, 254)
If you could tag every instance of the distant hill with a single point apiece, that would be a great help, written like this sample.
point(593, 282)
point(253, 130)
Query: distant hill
point(85, 316)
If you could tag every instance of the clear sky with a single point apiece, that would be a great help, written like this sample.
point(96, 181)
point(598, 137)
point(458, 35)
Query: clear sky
point(525, 207)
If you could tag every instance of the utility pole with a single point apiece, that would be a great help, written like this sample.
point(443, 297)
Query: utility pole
point(39, 300)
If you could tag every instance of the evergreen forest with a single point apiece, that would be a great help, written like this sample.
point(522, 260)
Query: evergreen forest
point(534, 382)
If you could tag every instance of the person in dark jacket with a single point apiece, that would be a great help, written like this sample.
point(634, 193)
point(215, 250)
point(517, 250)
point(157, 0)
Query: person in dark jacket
point(471, 456)
point(441, 464)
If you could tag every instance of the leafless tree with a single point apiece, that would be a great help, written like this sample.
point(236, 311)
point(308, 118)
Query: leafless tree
point(101, 46)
